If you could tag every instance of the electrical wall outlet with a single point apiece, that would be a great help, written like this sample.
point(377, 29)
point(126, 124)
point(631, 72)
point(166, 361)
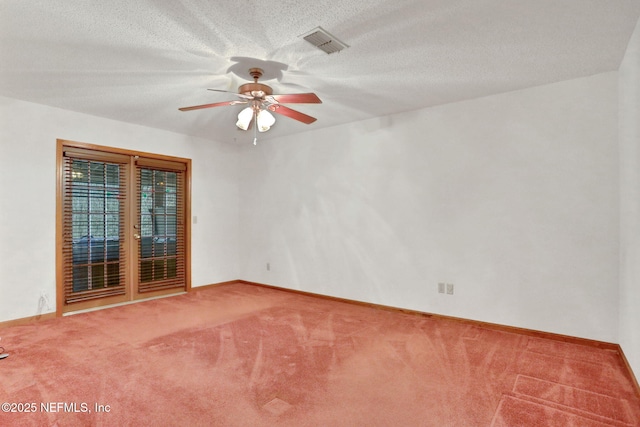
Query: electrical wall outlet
point(268, 266)
point(449, 288)
point(441, 288)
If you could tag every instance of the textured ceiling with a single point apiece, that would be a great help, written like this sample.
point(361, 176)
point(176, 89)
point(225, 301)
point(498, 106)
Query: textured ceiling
point(138, 61)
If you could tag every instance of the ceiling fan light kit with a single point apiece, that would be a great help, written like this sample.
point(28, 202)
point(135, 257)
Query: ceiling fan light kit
point(265, 120)
point(261, 102)
point(244, 118)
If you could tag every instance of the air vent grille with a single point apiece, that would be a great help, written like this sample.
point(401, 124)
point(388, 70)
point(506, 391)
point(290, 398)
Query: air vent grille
point(324, 41)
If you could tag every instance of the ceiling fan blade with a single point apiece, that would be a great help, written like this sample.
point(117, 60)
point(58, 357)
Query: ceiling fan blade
point(241, 95)
point(297, 98)
point(217, 104)
point(286, 111)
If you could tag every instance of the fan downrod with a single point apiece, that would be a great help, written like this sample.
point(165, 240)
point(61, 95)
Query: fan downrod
point(255, 89)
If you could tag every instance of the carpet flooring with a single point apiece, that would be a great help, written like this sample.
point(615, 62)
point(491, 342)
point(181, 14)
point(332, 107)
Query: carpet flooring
point(245, 355)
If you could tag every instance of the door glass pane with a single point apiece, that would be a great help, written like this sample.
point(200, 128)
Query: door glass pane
point(171, 267)
point(95, 204)
point(146, 271)
point(158, 224)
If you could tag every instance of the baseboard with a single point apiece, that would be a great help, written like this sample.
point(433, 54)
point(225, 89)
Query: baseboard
point(217, 285)
point(27, 320)
point(504, 328)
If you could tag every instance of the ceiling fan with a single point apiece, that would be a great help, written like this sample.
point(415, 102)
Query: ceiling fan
point(261, 103)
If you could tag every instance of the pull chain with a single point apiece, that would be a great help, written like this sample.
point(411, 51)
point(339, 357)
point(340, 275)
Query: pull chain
point(255, 127)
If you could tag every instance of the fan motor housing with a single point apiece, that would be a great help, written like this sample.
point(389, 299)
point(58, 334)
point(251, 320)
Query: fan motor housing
point(250, 88)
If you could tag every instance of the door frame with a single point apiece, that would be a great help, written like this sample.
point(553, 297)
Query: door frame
point(131, 294)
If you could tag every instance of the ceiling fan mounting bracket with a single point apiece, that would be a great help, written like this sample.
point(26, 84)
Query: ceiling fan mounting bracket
point(256, 73)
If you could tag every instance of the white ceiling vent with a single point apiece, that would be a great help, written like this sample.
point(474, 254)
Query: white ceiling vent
point(324, 41)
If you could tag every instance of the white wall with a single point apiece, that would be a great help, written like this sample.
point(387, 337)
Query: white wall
point(513, 198)
point(28, 134)
point(630, 202)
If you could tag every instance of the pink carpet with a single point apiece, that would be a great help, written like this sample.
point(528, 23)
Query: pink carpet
point(244, 355)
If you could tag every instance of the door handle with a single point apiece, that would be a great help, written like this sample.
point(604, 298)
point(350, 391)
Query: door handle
point(136, 236)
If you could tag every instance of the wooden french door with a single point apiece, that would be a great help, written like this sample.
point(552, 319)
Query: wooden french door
point(159, 229)
point(122, 228)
